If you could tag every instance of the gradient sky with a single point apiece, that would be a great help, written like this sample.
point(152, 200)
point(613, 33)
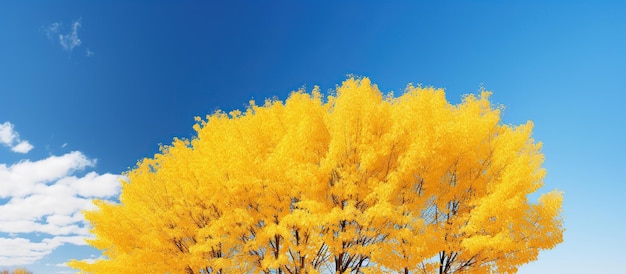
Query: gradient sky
point(88, 88)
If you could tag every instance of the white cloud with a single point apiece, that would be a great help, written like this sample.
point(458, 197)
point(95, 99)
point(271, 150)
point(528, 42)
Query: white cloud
point(68, 40)
point(22, 147)
point(26, 177)
point(9, 137)
point(53, 29)
point(22, 251)
point(44, 198)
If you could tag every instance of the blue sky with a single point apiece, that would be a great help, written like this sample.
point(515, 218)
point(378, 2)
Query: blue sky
point(88, 88)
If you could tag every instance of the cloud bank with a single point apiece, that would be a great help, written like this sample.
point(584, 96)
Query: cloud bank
point(40, 202)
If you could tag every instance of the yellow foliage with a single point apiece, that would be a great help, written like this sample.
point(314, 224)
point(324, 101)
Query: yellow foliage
point(355, 182)
point(17, 271)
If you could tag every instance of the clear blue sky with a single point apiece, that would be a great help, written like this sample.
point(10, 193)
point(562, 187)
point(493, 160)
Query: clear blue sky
point(87, 88)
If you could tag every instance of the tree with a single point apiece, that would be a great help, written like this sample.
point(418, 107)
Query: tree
point(17, 271)
point(356, 182)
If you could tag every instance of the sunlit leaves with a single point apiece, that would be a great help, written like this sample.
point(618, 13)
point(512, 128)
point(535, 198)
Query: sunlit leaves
point(355, 182)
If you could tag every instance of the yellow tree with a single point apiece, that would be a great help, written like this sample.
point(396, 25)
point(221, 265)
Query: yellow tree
point(17, 271)
point(355, 182)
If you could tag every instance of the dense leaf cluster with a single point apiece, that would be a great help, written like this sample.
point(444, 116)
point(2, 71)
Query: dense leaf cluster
point(357, 182)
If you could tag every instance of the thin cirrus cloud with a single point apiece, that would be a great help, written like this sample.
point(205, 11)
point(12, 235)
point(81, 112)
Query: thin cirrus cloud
point(9, 137)
point(67, 39)
point(40, 204)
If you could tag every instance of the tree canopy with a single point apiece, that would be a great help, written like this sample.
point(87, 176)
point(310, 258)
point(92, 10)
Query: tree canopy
point(354, 182)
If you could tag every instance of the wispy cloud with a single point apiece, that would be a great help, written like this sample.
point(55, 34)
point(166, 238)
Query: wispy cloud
point(68, 39)
point(10, 138)
point(44, 198)
point(53, 29)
